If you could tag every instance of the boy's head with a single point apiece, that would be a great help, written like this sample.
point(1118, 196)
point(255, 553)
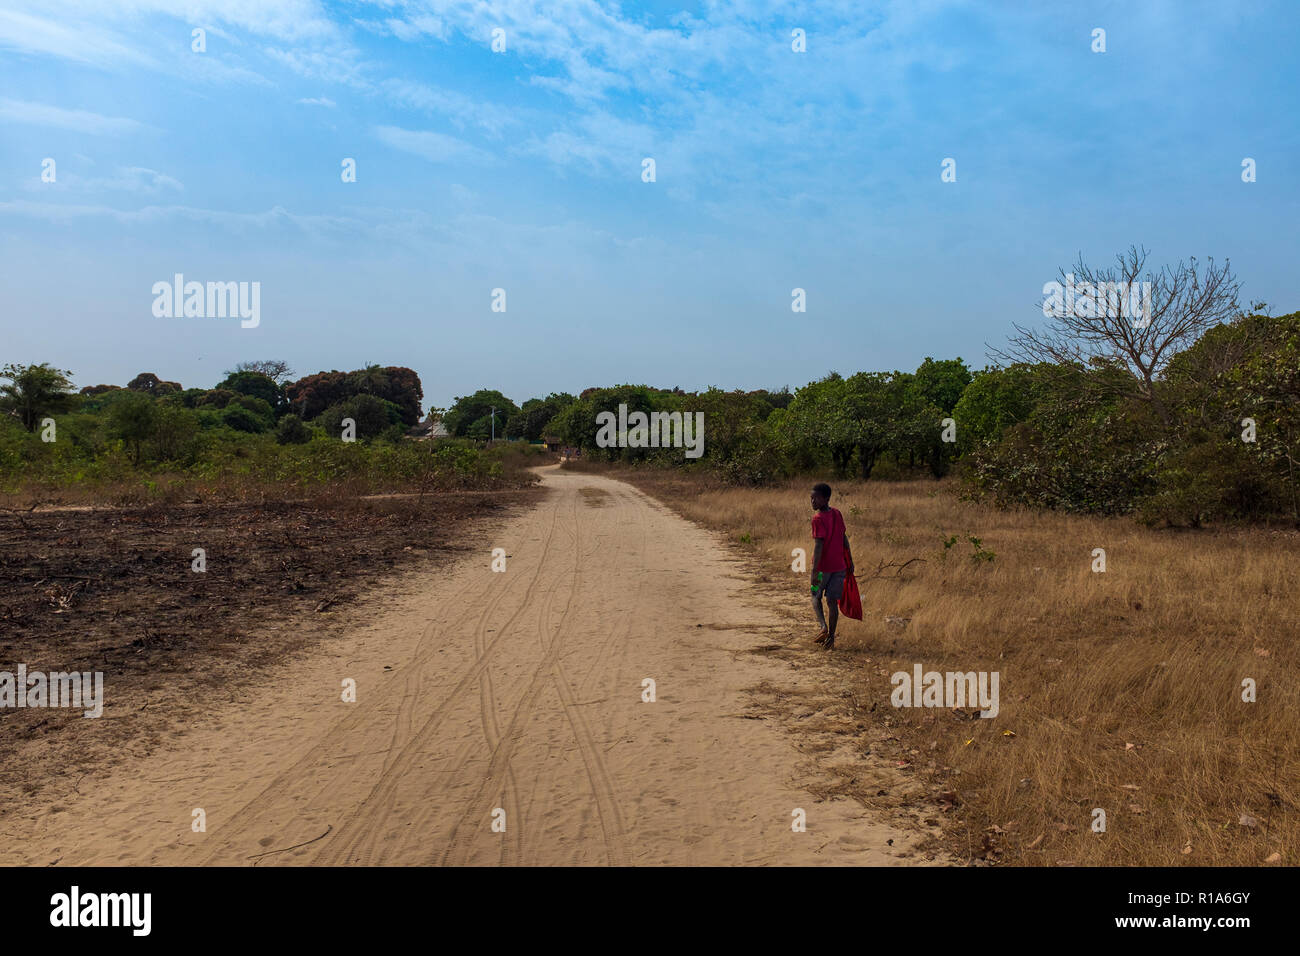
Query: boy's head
point(821, 496)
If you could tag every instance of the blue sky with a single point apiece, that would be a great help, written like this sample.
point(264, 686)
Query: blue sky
point(522, 170)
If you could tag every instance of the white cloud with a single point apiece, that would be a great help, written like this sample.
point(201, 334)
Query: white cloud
point(461, 109)
point(718, 96)
point(138, 180)
point(82, 121)
point(416, 27)
point(335, 63)
point(79, 41)
point(462, 236)
point(61, 213)
point(305, 20)
point(156, 34)
point(436, 147)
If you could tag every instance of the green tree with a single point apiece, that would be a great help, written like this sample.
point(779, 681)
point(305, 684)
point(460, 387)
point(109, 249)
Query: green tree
point(35, 391)
point(173, 427)
point(637, 398)
point(243, 419)
point(817, 423)
point(292, 431)
point(471, 416)
point(871, 404)
point(996, 399)
point(1085, 447)
point(917, 427)
point(151, 384)
point(732, 421)
point(372, 415)
point(215, 398)
point(132, 419)
point(257, 385)
point(533, 417)
point(1240, 379)
point(941, 383)
point(574, 424)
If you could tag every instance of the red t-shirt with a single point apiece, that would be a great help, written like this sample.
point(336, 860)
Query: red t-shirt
point(829, 526)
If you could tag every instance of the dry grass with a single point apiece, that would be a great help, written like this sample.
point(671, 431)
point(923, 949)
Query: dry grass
point(1119, 690)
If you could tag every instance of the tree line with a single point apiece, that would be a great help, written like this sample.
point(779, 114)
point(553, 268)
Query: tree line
point(1185, 414)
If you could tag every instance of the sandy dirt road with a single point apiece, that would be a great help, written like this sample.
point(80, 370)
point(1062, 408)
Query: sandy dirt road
point(482, 693)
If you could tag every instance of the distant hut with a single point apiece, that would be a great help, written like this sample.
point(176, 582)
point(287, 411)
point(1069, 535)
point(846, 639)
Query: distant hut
point(428, 429)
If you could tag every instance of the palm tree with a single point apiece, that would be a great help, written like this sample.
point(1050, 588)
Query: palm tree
point(370, 379)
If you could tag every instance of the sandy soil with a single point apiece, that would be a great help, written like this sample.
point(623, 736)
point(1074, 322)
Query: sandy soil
point(112, 590)
point(483, 694)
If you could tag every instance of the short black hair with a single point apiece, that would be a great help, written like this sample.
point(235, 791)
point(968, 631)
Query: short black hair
point(823, 489)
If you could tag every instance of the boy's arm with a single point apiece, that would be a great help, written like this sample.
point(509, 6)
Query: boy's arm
point(848, 551)
point(817, 559)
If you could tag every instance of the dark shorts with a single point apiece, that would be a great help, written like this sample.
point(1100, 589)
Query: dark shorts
point(834, 585)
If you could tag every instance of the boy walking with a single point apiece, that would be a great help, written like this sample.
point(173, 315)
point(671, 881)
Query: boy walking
point(831, 561)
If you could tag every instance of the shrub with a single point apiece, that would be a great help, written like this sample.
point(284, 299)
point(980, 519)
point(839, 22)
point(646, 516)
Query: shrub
point(372, 416)
point(190, 396)
point(208, 417)
point(1209, 478)
point(257, 406)
point(292, 431)
point(173, 428)
point(1078, 454)
point(216, 398)
point(132, 419)
point(243, 419)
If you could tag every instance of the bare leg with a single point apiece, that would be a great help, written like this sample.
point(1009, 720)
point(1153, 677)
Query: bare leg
point(834, 620)
point(821, 618)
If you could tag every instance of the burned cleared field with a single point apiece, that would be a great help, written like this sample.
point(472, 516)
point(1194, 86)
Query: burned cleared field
point(115, 591)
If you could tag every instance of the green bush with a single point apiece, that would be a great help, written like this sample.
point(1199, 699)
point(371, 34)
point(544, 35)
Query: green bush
point(372, 415)
point(242, 419)
point(1213, 478)
point(132, 419)
point(174, 428)
point(292, 431)
point(1080, 453)
point(216, 398)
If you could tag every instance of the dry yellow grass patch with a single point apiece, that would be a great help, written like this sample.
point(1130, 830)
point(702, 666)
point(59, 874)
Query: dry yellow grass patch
point(1120, 691)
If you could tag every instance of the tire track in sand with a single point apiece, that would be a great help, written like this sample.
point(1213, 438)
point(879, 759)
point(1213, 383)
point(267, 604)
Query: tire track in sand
point(356, 842)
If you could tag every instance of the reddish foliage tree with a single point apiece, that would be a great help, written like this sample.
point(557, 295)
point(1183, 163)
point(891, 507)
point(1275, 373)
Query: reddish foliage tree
point(313, 394)
point(403, 389)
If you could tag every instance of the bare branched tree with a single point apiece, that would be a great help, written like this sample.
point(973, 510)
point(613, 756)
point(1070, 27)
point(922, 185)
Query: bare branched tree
point(1127, 316)
point(277, 370)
